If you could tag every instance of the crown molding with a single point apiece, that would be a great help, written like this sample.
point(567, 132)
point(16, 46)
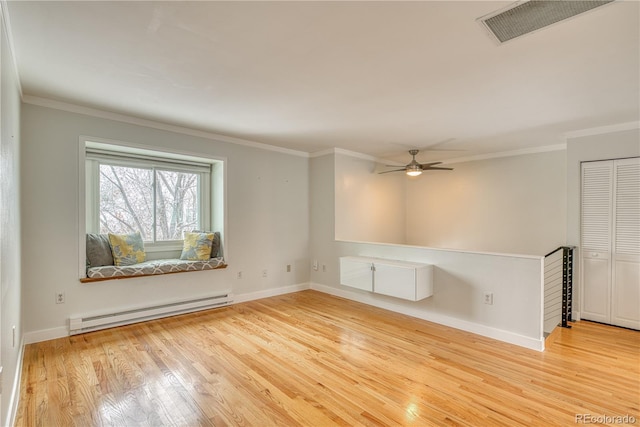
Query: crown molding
point(322, 153)
point(349, 153)
point(124, 118)
point(6, 25)
point(602, 130)
point(510, 153)
point(355, 154)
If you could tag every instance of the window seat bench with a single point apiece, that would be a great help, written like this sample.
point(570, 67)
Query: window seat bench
point(150, 268)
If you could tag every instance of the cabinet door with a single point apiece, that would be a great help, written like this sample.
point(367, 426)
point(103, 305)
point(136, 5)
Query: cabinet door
point(395, 280)
point(356, 273)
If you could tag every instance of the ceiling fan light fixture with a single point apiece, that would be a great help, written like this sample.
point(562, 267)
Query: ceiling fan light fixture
point(414, 170)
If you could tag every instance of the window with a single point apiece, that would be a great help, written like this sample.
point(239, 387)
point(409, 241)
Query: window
point(158, 194)
point(129, 203)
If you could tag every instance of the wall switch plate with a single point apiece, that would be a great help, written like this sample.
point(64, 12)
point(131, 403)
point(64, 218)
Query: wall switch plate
point(315, 265)
point(264, 273)
point(288, 268)
point(488, 298)
point(239, 275)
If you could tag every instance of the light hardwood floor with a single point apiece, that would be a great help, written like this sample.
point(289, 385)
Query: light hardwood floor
point(310, 359)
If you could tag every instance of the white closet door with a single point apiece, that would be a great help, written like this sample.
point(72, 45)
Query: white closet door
point(625, 291)
point(597, 186)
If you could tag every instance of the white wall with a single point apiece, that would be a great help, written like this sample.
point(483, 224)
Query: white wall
point(460, 278)
point(369, 207)
point(514, 204)
point(267, 226)
point(510, 204)
point(10, 271)
point(599, 146)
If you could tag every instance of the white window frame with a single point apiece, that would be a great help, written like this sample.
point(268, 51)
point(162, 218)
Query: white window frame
point(212, 203)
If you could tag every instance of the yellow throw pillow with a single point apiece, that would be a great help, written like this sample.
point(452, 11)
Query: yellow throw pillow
point(127, 249)
point(197, 246)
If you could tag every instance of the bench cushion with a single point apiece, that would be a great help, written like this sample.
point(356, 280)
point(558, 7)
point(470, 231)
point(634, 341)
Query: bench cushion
point(160, 266)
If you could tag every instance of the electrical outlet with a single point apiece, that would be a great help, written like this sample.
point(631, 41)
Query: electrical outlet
point(264, 273)
point(288, 268)
point(315, 265)
point(59, 297)
point(239, 275)
point(488, 298)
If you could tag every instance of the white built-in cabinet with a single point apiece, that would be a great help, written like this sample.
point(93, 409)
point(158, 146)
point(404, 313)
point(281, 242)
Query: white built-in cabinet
point(610, 242)
point(401, 279)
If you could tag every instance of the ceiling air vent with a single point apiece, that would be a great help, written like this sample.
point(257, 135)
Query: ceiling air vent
point(523, 18)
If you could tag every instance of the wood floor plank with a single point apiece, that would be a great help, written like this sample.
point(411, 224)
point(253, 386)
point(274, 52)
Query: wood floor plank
point(311, 359)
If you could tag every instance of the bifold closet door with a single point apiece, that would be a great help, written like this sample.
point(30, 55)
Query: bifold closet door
point(611, 242)
point(597, 205)
point(625, 279)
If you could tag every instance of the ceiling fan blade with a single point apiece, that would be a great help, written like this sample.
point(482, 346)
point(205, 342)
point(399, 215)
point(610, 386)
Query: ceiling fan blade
point(392, 166)
point(437, 168)
point(395, 170)
point(428, 165)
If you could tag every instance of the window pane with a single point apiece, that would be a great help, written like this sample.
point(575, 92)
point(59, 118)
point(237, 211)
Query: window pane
point(126, 200)
point(177, 204)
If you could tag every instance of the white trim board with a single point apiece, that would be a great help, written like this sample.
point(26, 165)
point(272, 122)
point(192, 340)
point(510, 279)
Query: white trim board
point(486, 331)
point(475, 328)
point(620, 127)
point(462, 251)
point(63, 331)
point(6, 20)
point(252, 296)
point(14, 400)
point(355, 154)
point(510, 153)
point(45, 335)
point(124, 118)
point(496, 155)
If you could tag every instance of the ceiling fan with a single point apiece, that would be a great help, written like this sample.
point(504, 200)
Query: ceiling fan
point(414, 168)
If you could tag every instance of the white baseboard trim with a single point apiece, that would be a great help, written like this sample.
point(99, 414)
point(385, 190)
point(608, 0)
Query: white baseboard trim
point(575, 315)
point(14, 400)
point(251, 296)
point(486, 331)
point(46, 335)
point(63, 331)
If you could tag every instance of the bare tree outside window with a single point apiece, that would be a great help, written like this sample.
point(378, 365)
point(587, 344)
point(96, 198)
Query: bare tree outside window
point(127, 202)
point(176, 204)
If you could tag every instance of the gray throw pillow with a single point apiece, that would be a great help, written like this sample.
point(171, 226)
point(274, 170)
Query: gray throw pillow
point(98, 250)
point(215, 245)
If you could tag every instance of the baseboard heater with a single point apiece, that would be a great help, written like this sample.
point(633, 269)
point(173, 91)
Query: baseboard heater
point(79, 325)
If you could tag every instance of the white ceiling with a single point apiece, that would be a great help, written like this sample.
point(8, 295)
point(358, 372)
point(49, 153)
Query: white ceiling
point(372, 77)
